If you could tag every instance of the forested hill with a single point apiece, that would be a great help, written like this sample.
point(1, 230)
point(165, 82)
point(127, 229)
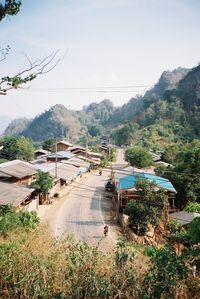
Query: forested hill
point(166, 113)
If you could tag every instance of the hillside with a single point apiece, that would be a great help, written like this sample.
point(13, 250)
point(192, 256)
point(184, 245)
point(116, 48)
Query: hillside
point(17, 126)
point(167, 113)
point(58, 121)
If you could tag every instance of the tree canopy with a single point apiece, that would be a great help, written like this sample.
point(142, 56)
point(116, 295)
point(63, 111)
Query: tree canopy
point(9, 7)
point(148, 208)
point(43, 182)
point(16, 148)
point(138, 156)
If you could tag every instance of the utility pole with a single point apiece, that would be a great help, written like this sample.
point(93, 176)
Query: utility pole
point(56, 161)
point(86, 145)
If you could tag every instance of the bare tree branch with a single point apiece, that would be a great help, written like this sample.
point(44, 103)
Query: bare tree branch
point(38, 67)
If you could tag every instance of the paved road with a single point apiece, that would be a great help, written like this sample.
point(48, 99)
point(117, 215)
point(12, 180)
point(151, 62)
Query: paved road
point(85, 211)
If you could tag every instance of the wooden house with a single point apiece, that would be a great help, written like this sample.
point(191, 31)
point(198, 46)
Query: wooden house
point(20, 197)
point(17, 171)
point(62, 146)
point(125, 187)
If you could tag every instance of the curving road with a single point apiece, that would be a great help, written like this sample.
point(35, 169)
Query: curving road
point(85, 211)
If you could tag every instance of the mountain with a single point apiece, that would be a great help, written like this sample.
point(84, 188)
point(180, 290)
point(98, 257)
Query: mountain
point(17, 126)
point(166, 114)
point(4, 121)
point(58, 121)
point(168, 80)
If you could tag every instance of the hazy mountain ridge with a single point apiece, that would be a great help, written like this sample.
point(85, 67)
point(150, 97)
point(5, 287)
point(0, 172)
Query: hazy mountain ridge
point(17, 126)
point(4, 122)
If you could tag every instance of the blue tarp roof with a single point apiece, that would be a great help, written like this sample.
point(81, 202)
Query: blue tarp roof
point(129, 182)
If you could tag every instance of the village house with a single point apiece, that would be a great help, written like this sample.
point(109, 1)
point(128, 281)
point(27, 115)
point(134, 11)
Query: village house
point(125, 183)
point(40, 153)
point(17, 171)
point(20, 197)
point(59, 156)
point(61, 146)
point(84, 153)
point(184, 218)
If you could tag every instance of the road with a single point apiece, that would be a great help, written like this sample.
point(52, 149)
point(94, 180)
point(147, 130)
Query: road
point(85, 210)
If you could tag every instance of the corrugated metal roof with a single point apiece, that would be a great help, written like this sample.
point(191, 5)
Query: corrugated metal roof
point(183, 217)
point(18, 169)
point(13, 194)
point(62, 154)
point(77, 162)
point(42, 151)
point(65, 171)
point(129, 182)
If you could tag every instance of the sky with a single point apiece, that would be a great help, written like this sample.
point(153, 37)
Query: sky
point(108, 49)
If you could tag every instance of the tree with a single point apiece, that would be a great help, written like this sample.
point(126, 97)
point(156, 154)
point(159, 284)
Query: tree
point(48, 144)
point(138, 156)
point(167, 270)
point(185, 175)
point(34, 68)
point(16, 148)
point(192, 207)
point(95, 130)
point(194, 230)
point(124, 135)
point(10, 7)
point(43, 182)
point(170, 154)
point(148, 208)
point(25, 149)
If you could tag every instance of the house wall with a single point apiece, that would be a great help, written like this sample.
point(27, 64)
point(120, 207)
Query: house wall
point(26, 180)
point(62, 147)
point(32, 205)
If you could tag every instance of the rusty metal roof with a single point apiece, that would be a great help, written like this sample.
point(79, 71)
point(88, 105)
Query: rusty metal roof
point(18, 169)
point(13, 194)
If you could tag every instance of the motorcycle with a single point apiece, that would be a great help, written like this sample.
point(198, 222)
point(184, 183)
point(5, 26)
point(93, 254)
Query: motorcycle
point(105, 230)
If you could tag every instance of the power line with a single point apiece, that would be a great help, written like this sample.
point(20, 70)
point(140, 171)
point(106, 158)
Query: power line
point(92, 87)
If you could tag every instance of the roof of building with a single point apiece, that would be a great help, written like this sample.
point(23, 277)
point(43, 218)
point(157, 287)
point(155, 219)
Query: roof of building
point(129, 182)
point(65, 142)
point(62, 155)
point(77, 162)
point(13, 194)
point(4, 175)
point(42, 151)
point(18, 169)
point(65, 171)
point(93, 161)
point(95, 154)
point(183, 217)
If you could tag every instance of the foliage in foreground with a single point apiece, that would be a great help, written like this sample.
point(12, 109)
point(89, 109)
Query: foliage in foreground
point(34, 265)
point(10, 220)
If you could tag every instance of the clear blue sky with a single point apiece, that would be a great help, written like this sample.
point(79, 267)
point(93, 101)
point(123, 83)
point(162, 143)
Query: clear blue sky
point(108, 43)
